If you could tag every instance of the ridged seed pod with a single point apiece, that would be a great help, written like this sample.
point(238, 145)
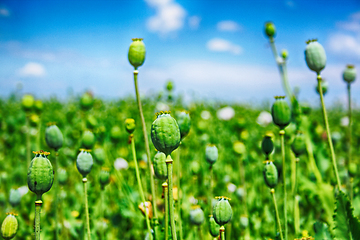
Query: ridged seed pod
point(165, 133)
point(53, 137)
point(88, 139)
point(315, 56)
point(184, 122)
point(298, 145)
point(349, 74)
point(270, 29)
point(214, 228)
point(211, 153)
point(9, 226)
point(160, 168)
point(84, 162)
point(267, 145)
point(99, 156)
point(40, 176)
point(197, 215)
point(130, 125)
point(27, 102)
point(270, 174)
point(281, 112)
point(137, 52)
point(222, 211)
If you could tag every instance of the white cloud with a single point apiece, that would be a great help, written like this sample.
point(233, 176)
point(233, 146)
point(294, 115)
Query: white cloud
point(290, 3)
point(345, 45)
point(169, 16)
point(221, 45)
point(228, 26)
point(194, 22)
point(32, 69)
point(352, 25)
point(4, 12)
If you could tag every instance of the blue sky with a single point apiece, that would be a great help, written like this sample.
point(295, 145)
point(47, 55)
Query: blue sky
point(209, 48)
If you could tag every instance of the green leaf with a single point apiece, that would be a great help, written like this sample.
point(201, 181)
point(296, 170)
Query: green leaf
point(346, 225)
point(322, 231)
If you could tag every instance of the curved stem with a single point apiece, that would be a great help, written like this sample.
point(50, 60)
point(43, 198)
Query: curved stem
point(138, 178)
point(282, 133)
point(169, 162)
point(38, 204)
point(179, 191)
point(147, 148)
point(333, 158)
point(272, 191)
point(166, 218)
point(86, 210)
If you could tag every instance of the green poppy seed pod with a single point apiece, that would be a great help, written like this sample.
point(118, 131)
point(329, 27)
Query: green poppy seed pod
point(197, 215)
point(284, 54)
point(62, 176)
point(270, 174)
point(214, 228)
point(165, 133)
point(315, 56)
point(267, 145)
point(9, 226)
point(298, 145)
point(137, 52)
point(349, 74)
point(160, 168)
point(184, 122)
point(99, 156)
point(91, 122)
point(130, 125)
point(84, 162)
point(239, 147)
point(54, 138)
point(27, 102)
point(352, 169)
point(211, 153)
point(86, 101)
point(281, 112)
point(88, 139)
point(169, 86)
point(222, 211)
point(40, 176)
point(104, 177)
point(324, 86)
point(270, 29)
point(38, 106)
point(15, 197)
point(115, 134)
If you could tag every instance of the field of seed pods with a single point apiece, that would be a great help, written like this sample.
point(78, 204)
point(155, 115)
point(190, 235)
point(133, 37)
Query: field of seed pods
point(157, 168)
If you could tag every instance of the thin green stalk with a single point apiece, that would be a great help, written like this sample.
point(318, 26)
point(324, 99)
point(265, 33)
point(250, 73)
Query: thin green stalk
point(349, 133)
point(282, 133)
point(296, 202)
point(38, 204)
point(272, 191)
point(222, 233)
point(169, 162)
point(166, 218)
point(351, 189)
point(147, 148)
point(333, 158)
point(56, 183)
point(282, 70)
point(28, 150)
point(102, 214)
point(210, 192)
point(179, 191)
point(84, 180)
point(138, 178)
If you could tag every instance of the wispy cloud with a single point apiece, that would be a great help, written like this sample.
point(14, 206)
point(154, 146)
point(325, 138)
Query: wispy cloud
point(352, 25)
point(228, 26)
point(32, 69)
point(194, 22)
point(222, 45)
point(169, 17)
point(4, 12)
point(344, 44)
